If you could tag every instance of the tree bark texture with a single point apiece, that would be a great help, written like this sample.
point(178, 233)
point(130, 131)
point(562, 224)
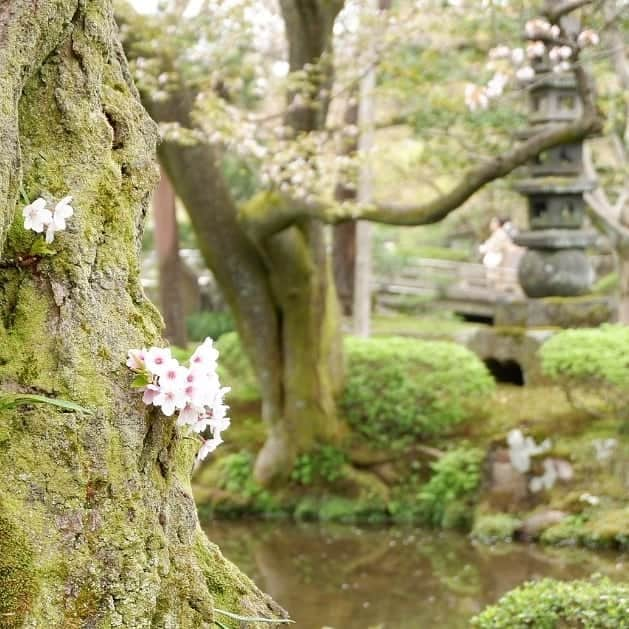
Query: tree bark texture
point(172, 277)
point(98, 527)
point(344, 235)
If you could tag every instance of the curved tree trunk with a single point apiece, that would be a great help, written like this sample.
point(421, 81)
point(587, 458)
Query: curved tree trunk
point(281, 291)
point(281, 296)
point(97, 524)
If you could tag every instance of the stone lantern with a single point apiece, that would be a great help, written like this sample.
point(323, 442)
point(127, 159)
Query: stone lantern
point(555, 263)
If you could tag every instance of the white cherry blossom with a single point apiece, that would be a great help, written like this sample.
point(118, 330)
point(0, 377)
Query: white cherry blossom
point(535, 49)
point(517, 56)
point(209, 445)
point(588, 38)
point(476, 97)
point(36, 216)
point(39, 218)
point(62, 211)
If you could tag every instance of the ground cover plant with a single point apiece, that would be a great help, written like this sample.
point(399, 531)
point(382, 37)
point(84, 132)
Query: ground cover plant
point(597, 603)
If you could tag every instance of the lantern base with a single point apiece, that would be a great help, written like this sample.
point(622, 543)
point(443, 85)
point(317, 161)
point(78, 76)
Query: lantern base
point(555, 273)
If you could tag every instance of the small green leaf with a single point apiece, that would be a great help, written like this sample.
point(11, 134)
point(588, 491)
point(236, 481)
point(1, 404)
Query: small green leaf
point(141, 380)
point(24, 195)
point(18, 399)
point(253, 618)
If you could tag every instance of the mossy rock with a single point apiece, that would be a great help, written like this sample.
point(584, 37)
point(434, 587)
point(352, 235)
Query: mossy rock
point(336, 509)
point(608, 529)
point(603, 529)
point(495, 527)
point(308, 508)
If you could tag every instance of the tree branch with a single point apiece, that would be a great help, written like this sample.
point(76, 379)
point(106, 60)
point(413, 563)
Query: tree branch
point(271, 212)
point(554, 11)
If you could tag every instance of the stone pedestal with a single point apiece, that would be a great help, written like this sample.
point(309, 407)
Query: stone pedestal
point(555, 262)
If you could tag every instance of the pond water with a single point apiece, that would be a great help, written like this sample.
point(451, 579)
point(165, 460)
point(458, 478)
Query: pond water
point(351, 577)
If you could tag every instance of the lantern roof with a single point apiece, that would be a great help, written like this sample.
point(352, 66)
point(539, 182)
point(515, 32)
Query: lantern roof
point(554, 185)
point(560, 80)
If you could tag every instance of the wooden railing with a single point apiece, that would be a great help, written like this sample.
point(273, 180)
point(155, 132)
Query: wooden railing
point(449, 281)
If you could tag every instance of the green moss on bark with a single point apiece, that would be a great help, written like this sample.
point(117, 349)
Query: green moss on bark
point(101, 527)
point(19, 583)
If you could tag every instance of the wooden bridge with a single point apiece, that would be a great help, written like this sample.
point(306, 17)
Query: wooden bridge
point(467, 288)
point(462, 287)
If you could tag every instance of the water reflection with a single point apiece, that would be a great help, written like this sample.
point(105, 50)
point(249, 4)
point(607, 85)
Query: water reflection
point(348, 577)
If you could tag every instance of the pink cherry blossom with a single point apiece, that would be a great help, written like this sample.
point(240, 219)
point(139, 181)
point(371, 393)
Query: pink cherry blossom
point(195, 392)
point(172, 375)
point(150, 393)
point(205, 356)
point(189, 414)
point(169, 400)
point(156, 359)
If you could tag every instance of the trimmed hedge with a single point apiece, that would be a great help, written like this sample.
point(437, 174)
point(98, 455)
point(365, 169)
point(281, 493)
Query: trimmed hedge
point(395, 389)
point(402, 388)
point(596, 603)
point(592, 366)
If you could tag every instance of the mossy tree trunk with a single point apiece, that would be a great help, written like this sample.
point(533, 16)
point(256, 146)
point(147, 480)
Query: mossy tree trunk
point(98, 527)
point(345, 234)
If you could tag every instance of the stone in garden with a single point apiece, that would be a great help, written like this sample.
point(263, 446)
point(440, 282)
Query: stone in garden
point(536, 524)
point(507, 487)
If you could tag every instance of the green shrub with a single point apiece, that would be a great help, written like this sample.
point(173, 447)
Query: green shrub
point(591, 366)
point(495, 527)
point(549, 604)
point(208, 323)
point(324, 463)
point(446, 500)
point(234, 369)
point(235, 475)
point(402, 388)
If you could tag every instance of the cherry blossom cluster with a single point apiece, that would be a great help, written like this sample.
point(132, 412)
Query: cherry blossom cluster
point(545, 43)
point(194, 392)
point(40, 219)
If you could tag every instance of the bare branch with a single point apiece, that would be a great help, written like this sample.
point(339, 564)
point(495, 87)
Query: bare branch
point(554, 11)
point(477, 177)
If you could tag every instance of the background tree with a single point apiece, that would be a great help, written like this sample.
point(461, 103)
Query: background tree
point(172, 272)
point(270, 254)
point(97, 523)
